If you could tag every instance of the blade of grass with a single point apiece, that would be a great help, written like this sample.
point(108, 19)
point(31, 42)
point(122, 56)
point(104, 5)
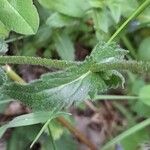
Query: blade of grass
point(127, 133)
point(115, 97)
point(144, 5)
point(51, 138)
point(54, 113)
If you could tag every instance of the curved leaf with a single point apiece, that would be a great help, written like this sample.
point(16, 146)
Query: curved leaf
point(73, 8)
point(75, 84)
point(19, 16)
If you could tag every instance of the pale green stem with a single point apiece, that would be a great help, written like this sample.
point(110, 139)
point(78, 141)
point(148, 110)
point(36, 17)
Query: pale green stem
point(115, 97)
point(13, 74)
point(145, 4)
point(15, 39)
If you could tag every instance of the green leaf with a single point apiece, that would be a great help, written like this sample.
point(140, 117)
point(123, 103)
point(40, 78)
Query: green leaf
point(96, 3)
point(102, 19)
point(3, 47)
point(64, 46)
point(127, 133)
point(144, 17)
point(104, 52)
point(3, 77)
point(54, 114)
point(144, 95)
point(144, 50)
point(22, 137)
point(66, 142)
point(141, 109)
point(19, 16)
point(73, 8)
point(29, 119)
point(128, 7)
point(74, 84)
point(57, 20)
point(3, 30)
point(137, 138)
point(115, 8)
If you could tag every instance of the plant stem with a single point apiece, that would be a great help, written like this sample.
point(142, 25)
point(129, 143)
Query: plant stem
point(15, 39)
point(36, 61)
point(77, 133)
point(51, 137)
point(144, 5)
point(133, 66)
point(62, 120)
point(13, 74)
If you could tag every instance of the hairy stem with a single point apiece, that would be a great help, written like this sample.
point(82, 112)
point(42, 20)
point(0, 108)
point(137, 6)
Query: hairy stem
point(35, 61)
point(144, 5)
point(133, 66)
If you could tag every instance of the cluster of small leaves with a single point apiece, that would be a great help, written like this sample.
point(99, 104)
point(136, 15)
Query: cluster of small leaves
point(74, 84)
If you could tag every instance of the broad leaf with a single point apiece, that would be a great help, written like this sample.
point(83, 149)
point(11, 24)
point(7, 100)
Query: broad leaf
point(3, 30)
point(145, 17)
point(64, 46)
point(62, 88)
point(104, 52)
point(144, 94)
point(73, 8)
point(29, 119)
point(58, 20)
point(19, 16)
point(102, 19)
point(144, 50)
point(127, 133)
point(115, 8)
point(96, 3)
point(128, 7)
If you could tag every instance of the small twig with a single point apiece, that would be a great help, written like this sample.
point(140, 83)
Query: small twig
point(77, 133)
